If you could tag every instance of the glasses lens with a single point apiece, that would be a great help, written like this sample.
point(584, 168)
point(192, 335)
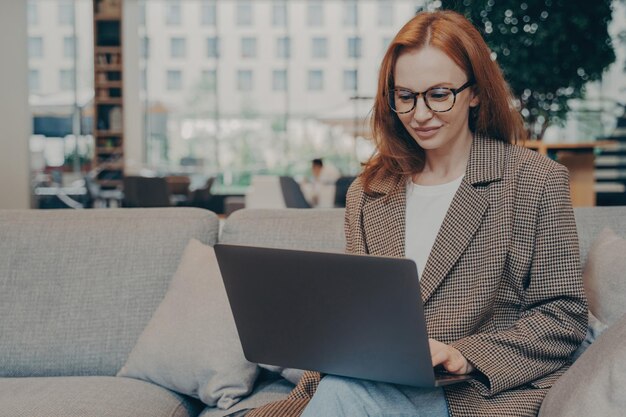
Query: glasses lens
point(440, 99)
point(401, 101)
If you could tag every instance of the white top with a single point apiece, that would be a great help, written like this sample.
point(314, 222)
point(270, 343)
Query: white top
point(426, 207)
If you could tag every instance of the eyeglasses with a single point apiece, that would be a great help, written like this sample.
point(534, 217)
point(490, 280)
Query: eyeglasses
point(437, 99)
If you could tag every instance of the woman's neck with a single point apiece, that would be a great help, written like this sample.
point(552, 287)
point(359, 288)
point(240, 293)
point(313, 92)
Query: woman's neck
point(445, 165)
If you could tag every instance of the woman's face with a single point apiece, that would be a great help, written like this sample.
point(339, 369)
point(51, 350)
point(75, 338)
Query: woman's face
point(420, 69)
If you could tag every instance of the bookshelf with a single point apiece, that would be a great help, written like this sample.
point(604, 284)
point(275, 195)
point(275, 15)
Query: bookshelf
point(108, 99)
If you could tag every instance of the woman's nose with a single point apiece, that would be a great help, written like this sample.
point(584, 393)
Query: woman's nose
point(422, 112)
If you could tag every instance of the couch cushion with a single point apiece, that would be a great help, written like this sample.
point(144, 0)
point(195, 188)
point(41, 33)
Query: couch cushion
point(603, 277)
point(594, 385)
point(91, 396)
point(77, 287)
point(308, 229)
point(191, 344)
point(266, 392)
point(591, 220)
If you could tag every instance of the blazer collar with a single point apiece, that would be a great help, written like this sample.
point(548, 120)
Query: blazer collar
point(384, 214)
point(485, 165)
point(486, 160)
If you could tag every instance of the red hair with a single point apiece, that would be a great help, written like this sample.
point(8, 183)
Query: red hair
point(398, 154)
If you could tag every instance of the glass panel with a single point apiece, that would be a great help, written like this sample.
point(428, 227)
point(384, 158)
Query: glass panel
point(279, 13)
point(208, 13)
point(350, 13)
point(315, 13)
point(177, 47)
point(244, 13)
point(248, 47)
point(354, 47)
point(350, 80)
point(319, 47)
point(60, 76)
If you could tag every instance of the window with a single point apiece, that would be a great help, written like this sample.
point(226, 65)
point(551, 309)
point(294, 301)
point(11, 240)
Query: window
point(315, 13)
point(316, 80)
point(142, 12)
point(33, 13)
point(354, 47)
point(35, 47)
point(386, 43)
point(66, 13)
point(66, 80)
point(173, 15)
point(350, 80)
point(145, 47)
point(178, 47)
point(68, 47)
point(248, 47)
point(279, 13)
point(143, 79)
point(350, 13)
point(208, 13)
point(209, 79)
point(244, 80)
point(283, 47)
point(385, 13)
point(213, 47)
point(174, 80)
point(279, 80)
point(33, 80)
point(244, 13)
point(319, 48)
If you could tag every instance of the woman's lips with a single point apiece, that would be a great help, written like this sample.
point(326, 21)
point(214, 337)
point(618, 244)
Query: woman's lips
point(426, 132)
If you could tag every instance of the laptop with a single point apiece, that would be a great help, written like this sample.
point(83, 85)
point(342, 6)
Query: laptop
point(350, 315)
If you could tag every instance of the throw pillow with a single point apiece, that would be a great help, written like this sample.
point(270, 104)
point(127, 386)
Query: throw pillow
point(290, 374)
point(191, 344)
point(594, 385)
point(603, 277)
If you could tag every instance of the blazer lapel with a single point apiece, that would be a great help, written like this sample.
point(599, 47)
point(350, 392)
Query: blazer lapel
point(384, 218)
point(465, 214)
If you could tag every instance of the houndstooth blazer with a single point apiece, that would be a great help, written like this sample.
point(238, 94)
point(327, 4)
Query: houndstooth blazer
point(503, 281)
point(502, 284)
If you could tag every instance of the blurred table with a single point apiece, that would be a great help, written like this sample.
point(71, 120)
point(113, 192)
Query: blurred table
point(579, 159)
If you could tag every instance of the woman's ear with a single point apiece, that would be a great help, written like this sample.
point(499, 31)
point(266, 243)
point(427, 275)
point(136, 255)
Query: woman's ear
point(475, 101)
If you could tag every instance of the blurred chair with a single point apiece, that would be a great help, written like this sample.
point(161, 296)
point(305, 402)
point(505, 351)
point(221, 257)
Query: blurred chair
point(178, 186)
point(264, 192)
point(341, 189)
point(202, 197)
point(146, 192)
point(292, 193)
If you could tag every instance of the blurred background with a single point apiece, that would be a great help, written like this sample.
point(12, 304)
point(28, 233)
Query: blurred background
point(215, 93)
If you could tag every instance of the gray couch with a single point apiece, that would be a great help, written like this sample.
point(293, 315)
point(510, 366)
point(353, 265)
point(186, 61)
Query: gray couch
point(78, 287)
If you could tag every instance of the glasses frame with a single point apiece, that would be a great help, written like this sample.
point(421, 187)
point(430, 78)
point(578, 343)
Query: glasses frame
point(415, 95)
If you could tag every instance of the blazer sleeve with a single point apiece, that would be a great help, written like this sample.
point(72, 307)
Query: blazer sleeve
point(553, 315)
point(355, 242)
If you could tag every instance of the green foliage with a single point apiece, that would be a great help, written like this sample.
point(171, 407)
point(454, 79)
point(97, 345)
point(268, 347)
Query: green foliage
point(548, 49)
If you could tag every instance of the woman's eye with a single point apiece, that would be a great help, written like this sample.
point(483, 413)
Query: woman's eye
point(439, 95)
point(405, 96)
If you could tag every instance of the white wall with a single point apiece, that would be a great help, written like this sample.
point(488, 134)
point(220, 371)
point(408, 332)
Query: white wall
point(15, 119)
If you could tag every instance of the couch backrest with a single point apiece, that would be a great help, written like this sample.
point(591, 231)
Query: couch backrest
point(77, 287)
point(591, 220)
point(323, 229)
point(319, 229)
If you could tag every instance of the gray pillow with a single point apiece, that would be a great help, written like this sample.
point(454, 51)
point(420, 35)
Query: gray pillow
point(191, 345)
point(594, 385)
point(604, 277)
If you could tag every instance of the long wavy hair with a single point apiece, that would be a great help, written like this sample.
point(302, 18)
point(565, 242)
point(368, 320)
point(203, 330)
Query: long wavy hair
point(397, 153)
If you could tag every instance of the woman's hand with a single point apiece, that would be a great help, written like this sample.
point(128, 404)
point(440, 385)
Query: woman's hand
point(450, 358)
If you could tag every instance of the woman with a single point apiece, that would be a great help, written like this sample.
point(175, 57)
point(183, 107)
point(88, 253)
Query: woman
point(489, 224)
